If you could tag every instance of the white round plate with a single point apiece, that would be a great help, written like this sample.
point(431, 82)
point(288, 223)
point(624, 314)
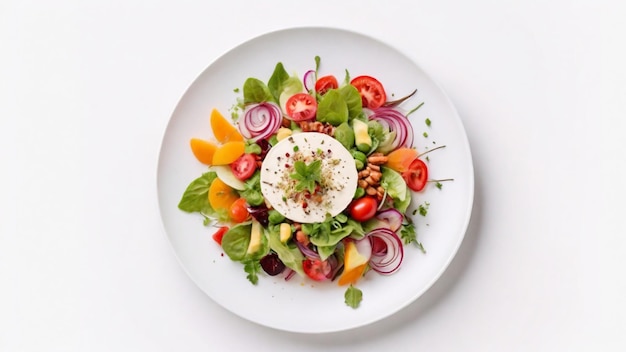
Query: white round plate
point(301, 305)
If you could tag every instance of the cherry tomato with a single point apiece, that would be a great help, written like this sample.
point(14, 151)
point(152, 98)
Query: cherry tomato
point(416, 176)
point(244, 167)
point(363, 209)
point(372, 92)
point(316, 269)
point(326, 83)
point(239, 210)
point(219, 234)
point(301, 107)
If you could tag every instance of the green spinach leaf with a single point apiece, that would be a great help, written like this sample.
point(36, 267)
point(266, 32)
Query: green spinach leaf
point(332, 108)
point(196, 196)
point(277, 80)
point(353, 100)
point(255, 91)
point(236, 241)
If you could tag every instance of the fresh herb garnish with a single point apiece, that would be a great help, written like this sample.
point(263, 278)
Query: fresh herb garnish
point(307, 175)
point(438, 185)
point(252, 267)
point(427, 121)
point(353, 297)
point(423, 208)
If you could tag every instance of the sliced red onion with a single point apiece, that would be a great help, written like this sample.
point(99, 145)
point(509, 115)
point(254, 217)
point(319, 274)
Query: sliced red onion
point(386, 260)
point(260, 121)
point(308, 252)
point(394, 120)
point(334, 267)
point(309, 80)
point(364, 247)
point(290, 274)
point(391, 217)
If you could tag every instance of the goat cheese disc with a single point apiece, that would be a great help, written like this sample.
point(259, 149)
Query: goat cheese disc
point(303, 196)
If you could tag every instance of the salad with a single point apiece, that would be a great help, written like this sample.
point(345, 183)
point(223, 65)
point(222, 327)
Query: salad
point(312, 177)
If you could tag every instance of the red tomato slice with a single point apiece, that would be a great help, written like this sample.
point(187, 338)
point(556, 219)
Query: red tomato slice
point(363, 208)
point(244, 167)
point(301, 107)
point(372, 92)
point(316, 269)
point(326, 83)
point(416, 176)
point(219, 234)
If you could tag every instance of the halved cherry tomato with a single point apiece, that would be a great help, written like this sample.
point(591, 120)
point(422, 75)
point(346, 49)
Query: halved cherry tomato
point(301, 107)
point(326, 83)
point(243, 168)
point(239, 210)
point(416, 176)
point(316, 269)
point(363, 209)
point(219, 234)
point(372, 92)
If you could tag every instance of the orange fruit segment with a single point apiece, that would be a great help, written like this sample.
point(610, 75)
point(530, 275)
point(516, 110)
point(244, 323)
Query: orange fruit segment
point(203, 150)
point(223, 130)
point(354, 265)
point(228, 152)
point(401, 158)
point(221, 195)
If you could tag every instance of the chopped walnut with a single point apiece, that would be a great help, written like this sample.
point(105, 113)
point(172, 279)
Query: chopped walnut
point(369, 177)
point(316, 126)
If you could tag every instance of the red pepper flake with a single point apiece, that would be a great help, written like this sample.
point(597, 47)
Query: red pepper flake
point(304, 205)
point(287, 155)
point(287, 166)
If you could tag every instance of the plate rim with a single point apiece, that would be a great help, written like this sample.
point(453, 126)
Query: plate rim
point(468, 202)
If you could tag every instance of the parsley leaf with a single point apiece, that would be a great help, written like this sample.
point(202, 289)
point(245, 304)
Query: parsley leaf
point(252, 267)
point(423, 208)
point(353, 297)
point(307, 175)
point(407, 233)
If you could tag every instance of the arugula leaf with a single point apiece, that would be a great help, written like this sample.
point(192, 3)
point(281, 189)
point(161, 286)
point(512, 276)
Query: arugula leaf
point(307, 175)
point(252, 267)
point(353, 297)
point(196, 196)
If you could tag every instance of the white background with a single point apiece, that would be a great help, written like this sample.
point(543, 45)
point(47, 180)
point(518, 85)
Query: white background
point(86, 91)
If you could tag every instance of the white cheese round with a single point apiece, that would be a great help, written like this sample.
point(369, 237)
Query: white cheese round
point(338, 182)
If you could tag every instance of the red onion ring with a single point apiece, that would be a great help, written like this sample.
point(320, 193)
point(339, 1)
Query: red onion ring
point(260, 121)
point(386, 261)
point(309, 80)
point(391, 217)
point(394, 120)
